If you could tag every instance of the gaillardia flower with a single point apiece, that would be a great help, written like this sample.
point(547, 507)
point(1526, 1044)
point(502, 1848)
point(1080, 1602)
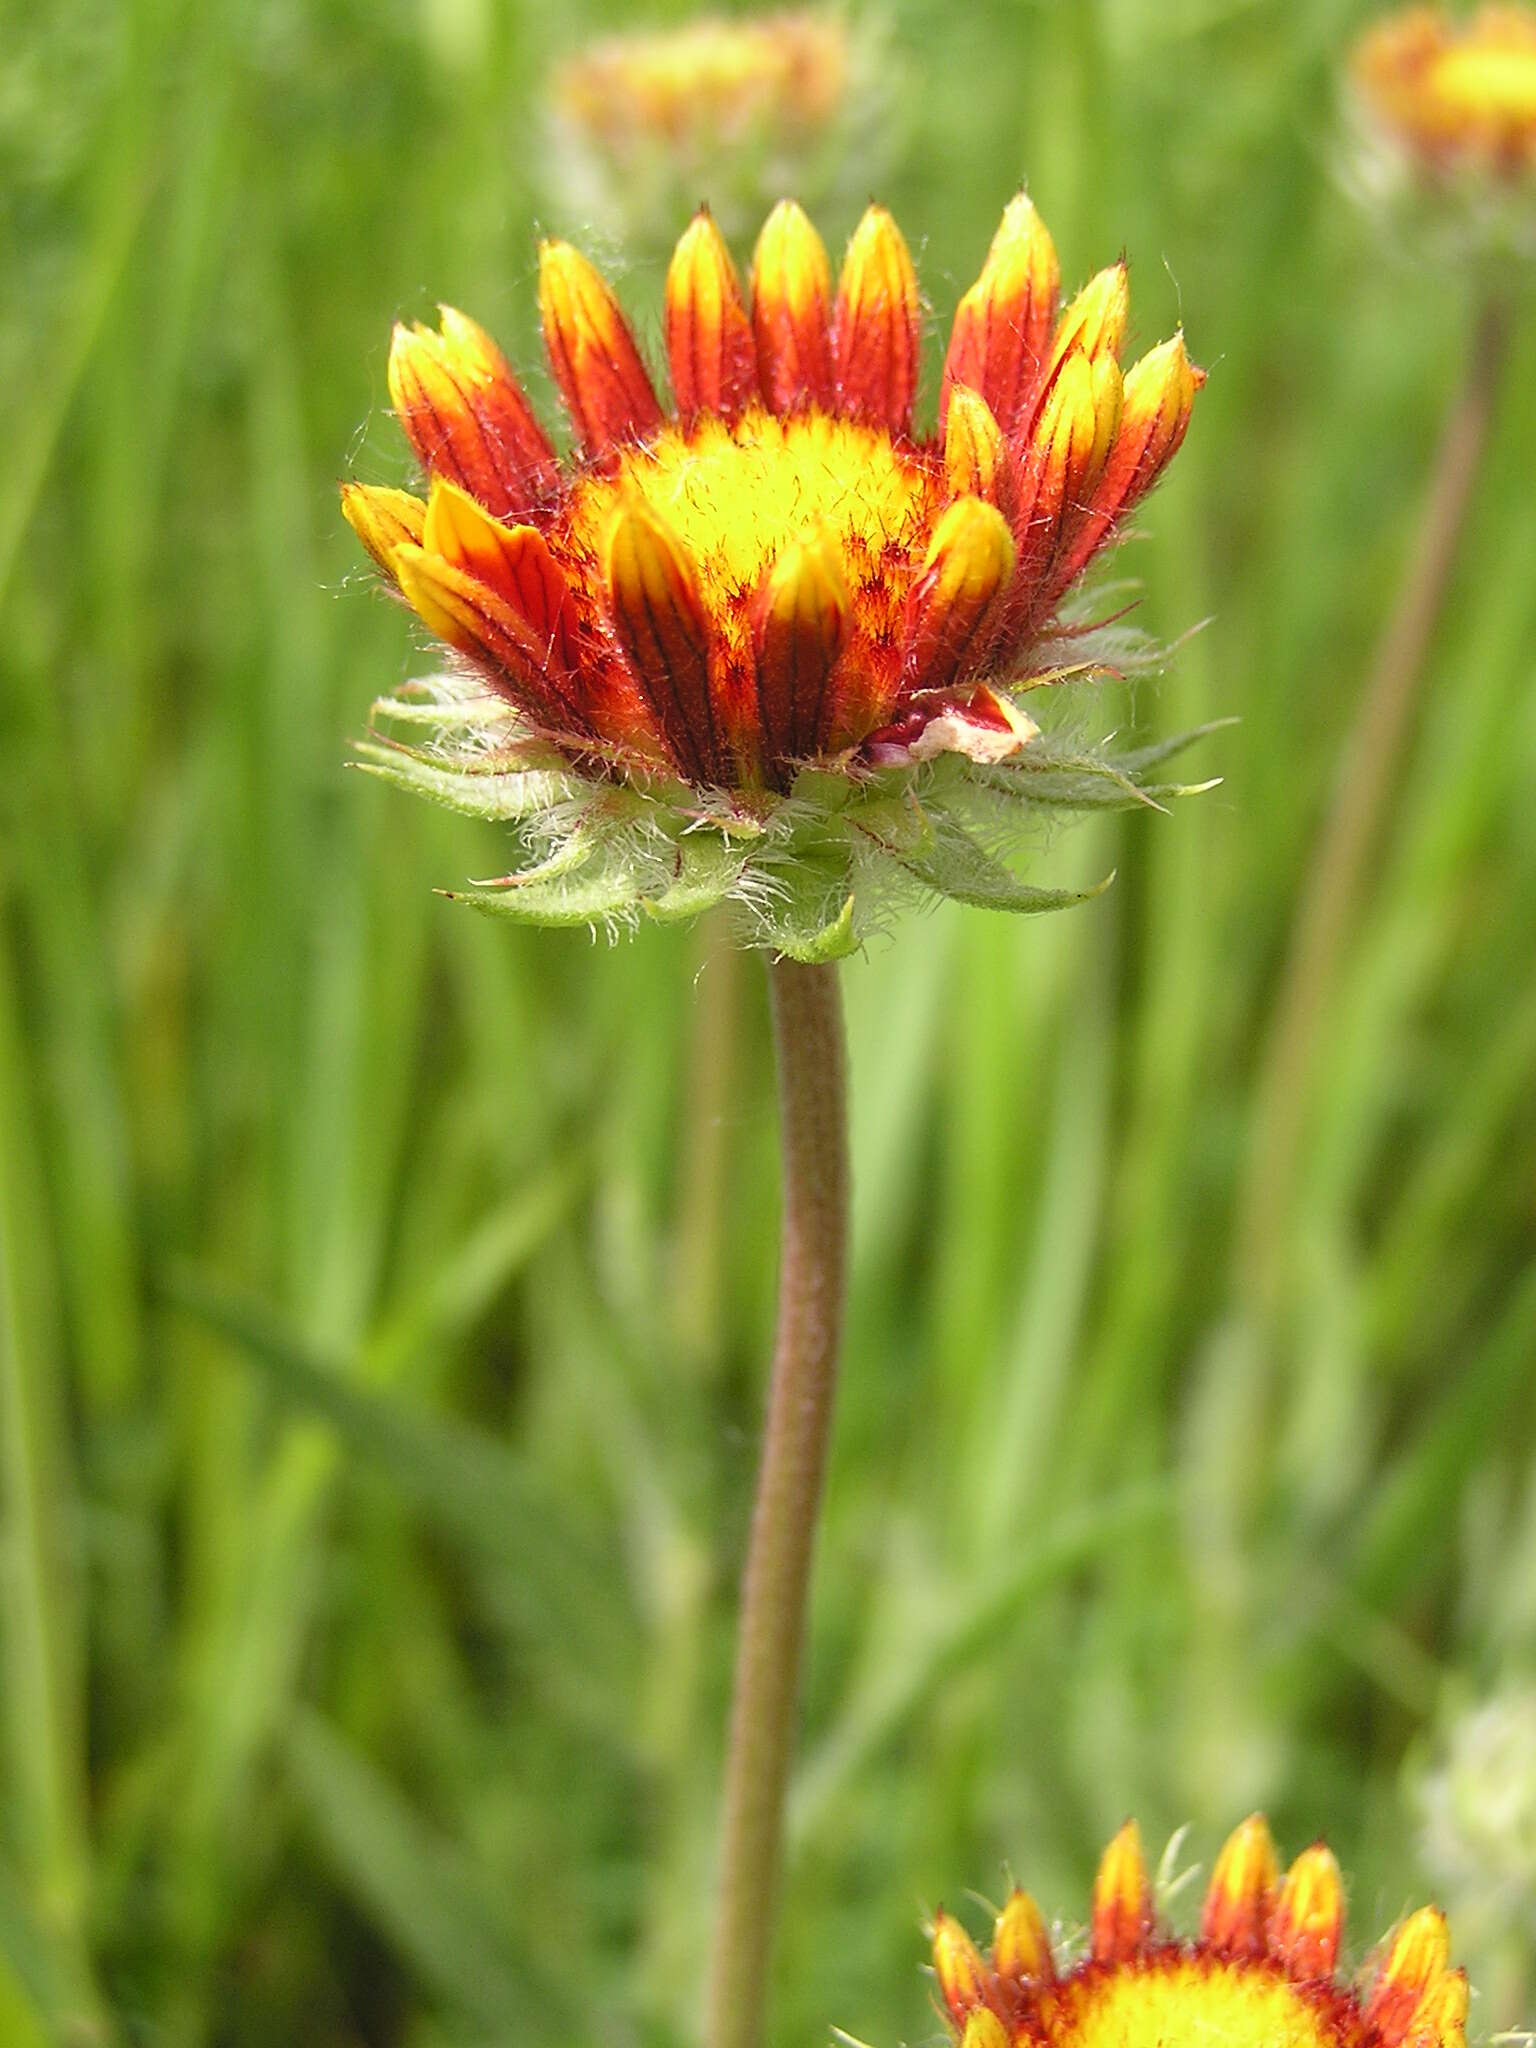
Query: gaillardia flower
point(744, 107)
point(1456, 93)
point(768, 645)
point(1262, 1973)
point(1446, 120)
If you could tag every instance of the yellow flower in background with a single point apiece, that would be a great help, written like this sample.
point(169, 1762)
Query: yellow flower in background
point(745, 108)
point(1262, 1973)
point(1457, 94)
point(713, 77)
point(750, 643)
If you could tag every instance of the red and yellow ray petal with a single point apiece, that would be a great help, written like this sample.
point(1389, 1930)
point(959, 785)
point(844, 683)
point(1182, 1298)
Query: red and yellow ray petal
point(462, 610)
point(1021, 1947)
point(382, 519)
point(1159, 396)
point(792, 312)
point(964, 1980)
point(466, 415)
point(956, 604)
point(1122, 1900)
point(1241, 1895)
point(875, 325)
point(664, 629)
point(513, 561)
point(710, 348)
point(975, 453)
point(1002, 325)
point(606, 387)
point(1308, 1920)
point(801, 623)
point(1094, 323)
point(1414, 1971)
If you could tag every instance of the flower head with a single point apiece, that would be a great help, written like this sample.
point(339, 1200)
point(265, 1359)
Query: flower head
point(750, 643)
point(1447, 107)
point(1262, 1972)
point(747, 107)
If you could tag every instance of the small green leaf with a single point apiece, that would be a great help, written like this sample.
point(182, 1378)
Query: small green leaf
point(706, 871)
point(585, 896)
point(956, 866)
point(504, 795)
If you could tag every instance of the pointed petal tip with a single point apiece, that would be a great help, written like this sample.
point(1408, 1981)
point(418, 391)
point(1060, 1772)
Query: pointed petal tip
point(1021, 1945)
point(1307, 1924)
point(958, 1966)
point(1240, 1897)
point(1122, 1899)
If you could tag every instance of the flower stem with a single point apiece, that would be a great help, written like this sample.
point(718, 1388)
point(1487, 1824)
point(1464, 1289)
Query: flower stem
point(1368, 769)
point(808, 1033)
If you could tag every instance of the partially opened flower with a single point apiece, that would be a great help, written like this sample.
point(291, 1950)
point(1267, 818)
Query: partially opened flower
point(1262, 1972)
point(744, 107)
point(1447, 109)
point(768, 645)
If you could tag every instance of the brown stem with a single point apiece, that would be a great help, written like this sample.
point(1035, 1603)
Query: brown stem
point(808, 1032)
point(1368, 772)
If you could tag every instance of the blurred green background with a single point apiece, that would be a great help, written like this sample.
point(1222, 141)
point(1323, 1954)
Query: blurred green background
point(381, 1326)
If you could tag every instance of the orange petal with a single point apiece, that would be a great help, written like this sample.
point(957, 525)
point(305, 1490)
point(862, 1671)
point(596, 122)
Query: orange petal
point(382, 519)
point(875, 325)
point(606, 387)
point(515, 562)
point(957, 600)
point(958, 1965)
point(792, 311)
point(1159, 397)
point(1441, 2018)
point(466, 415)
point(463, 611)
point(800, 628)
point(1003, 324)
point(664, 630)
point(1412, 1977)
point(1095, 320)
point(1068, 447)
point(709, 337)
point(983, 2029)
point(1021, 1948)
point(1122, 1900)
point(974, 449)
point(1242, 1891)
point(1308, 1920)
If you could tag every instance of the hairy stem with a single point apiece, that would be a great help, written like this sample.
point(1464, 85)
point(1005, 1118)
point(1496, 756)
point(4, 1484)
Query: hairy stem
point(1368, 772)
point(808, 1032)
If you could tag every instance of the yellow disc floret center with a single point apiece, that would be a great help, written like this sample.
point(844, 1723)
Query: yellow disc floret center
point(1499, 82)
point(734, 494)
point(1185, 2001)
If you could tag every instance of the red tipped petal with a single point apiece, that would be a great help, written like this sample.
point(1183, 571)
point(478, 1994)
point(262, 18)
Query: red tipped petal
point(1021, 1947)
point(1095, 320)
point(792, 312)
point(958, 1965)
point(466, 416)
point(875, 325)
point(800, 628)
point(1122, 1900)
point(1159, 397)
point(1242, 1892)
point(664, 630)
point(606, 387)
point(462, 610)
point(1308, 1921)
point(382, 519)
point(515, 562)
point(975, 453)
point(1412, 1978)
point(1003, 324)
point(709, 337)
point(957, 601)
